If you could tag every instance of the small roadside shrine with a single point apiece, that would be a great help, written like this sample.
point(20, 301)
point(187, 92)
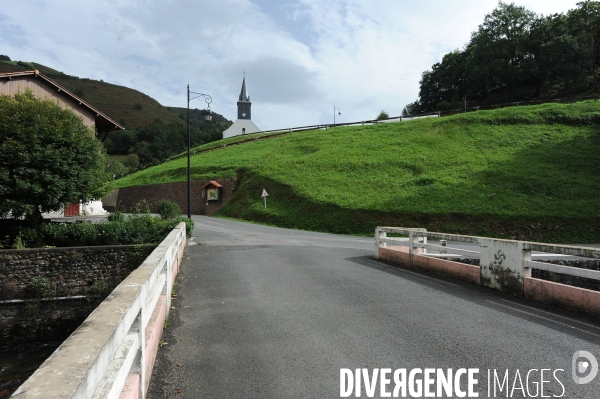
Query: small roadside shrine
point(211, 191)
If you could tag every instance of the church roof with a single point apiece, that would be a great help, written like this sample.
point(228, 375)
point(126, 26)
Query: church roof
point(244, 95)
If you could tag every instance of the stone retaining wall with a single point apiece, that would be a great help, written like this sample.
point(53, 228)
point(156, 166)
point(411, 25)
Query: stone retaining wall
point(124, 198)
point(70, 270)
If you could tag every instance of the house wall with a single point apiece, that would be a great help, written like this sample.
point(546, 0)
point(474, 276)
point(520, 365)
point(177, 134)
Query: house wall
point(41, 89)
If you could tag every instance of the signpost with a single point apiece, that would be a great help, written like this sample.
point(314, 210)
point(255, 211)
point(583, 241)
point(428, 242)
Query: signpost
point(265, 194)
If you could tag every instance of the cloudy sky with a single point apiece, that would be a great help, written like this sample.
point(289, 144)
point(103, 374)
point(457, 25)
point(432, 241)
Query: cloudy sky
point(301, 57)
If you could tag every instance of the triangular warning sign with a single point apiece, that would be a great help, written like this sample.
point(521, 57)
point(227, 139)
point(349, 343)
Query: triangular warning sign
point(264, 193)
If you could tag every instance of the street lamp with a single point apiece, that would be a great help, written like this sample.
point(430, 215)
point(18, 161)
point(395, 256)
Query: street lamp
point(339, 113)
point(208, 117)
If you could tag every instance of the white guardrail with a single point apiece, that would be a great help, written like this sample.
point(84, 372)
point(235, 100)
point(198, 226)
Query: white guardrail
point(515, 251)
point(110, 346)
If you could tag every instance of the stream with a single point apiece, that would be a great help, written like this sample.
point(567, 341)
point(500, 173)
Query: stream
point(19, 361)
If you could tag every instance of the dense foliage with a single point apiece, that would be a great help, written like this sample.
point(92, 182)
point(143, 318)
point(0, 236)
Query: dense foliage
point(159, 141)
point(516, 55)
point(168, 209)
point(383, 115)
point(136, 229)
point(494, 173)
point(48, 158)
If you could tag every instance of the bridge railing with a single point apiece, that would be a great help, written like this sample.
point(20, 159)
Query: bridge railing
point(113, 350)
point(505, 265)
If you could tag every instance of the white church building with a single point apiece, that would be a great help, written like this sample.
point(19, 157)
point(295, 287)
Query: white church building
point(243, 124)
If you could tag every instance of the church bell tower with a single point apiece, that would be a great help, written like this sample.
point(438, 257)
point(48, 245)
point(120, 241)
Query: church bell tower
point(244, 103)
point(243, 124)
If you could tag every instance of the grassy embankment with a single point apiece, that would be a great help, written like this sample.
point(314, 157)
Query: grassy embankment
point(523, 172)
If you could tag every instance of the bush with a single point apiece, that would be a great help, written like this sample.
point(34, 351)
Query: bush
point(116, 216)
point(70, 234)
point(138, 229)
point(189, 225)
point(131, 162)
point(140, 207)
point(39, 288)
point(382, 115)
point(168, 209)
point(98, 290)
point(28, 237)
point(112, 233)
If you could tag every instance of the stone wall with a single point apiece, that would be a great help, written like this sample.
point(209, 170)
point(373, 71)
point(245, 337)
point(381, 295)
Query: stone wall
point(82, 271)
point(125, 198)
point(70, 270)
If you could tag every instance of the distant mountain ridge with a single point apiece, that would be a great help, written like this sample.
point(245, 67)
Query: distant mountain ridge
point(127, 106)
point(153, 132)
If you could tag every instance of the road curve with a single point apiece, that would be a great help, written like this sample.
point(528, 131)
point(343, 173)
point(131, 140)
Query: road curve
point(263, 312)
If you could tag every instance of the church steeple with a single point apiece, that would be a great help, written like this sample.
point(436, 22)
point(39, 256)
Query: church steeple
point(244, 96)
point(244, 102)
point(243, 124)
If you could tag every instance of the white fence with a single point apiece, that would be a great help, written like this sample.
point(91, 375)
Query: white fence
point(496, 256)
point(110, 345)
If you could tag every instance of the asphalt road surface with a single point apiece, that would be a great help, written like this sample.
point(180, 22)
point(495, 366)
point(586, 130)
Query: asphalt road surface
point(263, 312)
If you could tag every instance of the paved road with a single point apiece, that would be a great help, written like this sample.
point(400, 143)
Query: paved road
point(274, 313)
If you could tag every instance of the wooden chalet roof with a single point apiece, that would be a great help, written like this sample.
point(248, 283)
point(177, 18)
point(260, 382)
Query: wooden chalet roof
point(103, 122)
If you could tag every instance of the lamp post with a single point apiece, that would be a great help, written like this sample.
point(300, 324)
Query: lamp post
point(208, 117)
point(339, 113)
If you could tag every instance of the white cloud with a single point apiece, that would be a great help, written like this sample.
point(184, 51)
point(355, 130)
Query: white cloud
point(301, 57)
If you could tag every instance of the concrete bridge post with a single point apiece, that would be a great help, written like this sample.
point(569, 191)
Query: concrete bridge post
point(502, 264)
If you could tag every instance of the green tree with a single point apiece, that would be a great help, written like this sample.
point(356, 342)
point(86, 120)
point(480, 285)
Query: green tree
point(585, 25)
point(500, 45)
point(48, 158)
point(382, 115)
point(131, 162)
point(117, 169)
point(411, 109)
point(594, 83)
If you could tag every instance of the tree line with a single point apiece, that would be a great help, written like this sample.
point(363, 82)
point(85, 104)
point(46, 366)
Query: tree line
point(517, 55)
point(159, 141)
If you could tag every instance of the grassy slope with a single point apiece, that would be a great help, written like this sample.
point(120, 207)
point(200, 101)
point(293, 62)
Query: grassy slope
point(527, 172)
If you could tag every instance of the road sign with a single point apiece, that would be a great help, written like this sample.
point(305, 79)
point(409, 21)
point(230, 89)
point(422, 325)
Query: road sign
point(264, 195)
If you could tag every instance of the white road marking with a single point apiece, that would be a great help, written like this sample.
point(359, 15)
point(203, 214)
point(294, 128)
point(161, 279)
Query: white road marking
point(555, 315)
point(544, 318)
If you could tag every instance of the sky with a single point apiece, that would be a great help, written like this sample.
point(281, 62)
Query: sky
point(301, 58)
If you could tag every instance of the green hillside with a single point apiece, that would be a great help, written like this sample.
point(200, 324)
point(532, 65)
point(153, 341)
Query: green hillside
point(523, 172)
point(153, 132)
